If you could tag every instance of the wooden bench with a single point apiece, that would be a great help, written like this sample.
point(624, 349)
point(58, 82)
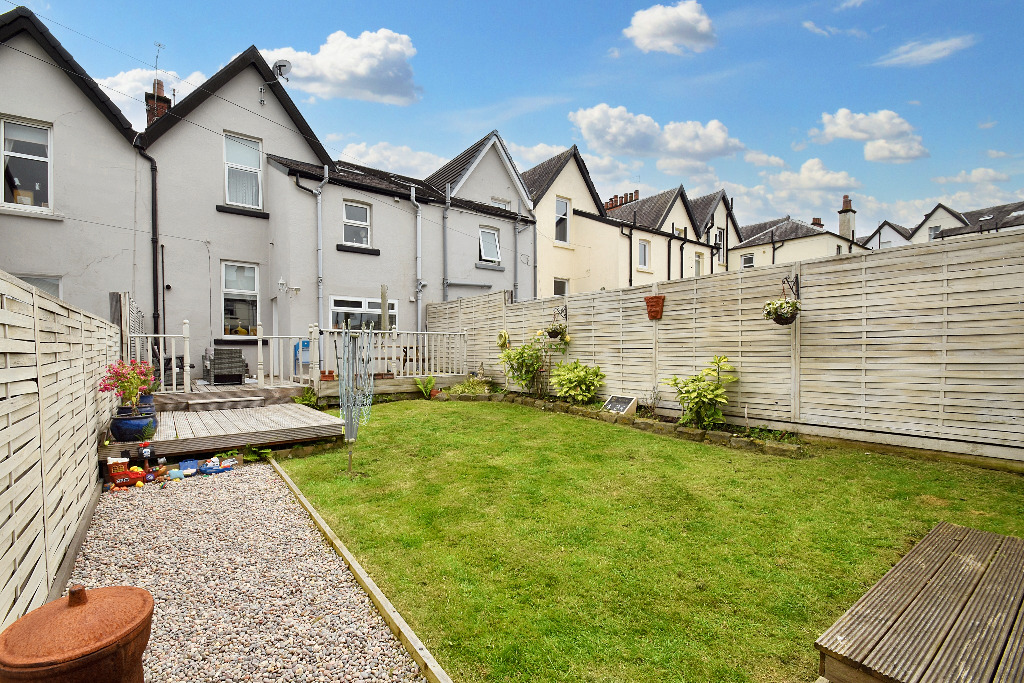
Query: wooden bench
point(950, 610)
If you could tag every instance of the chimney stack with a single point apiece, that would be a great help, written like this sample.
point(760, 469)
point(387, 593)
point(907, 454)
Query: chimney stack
point(816, 222)
point(157, 103)
point(847, 219)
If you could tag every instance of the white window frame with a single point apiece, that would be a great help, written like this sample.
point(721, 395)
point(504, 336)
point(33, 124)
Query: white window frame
point(224, 290)
point(501, 203)
point(885, 245)
point(698, 264)
point(49, 163)
point(747, 260)
point(720, 243)
point(839, 250)
point(366, 307)
point(933, 232)
point(497, 245)
point(562, 280)
point(568, 220)
point(368, 224)
point(643, 255)
point(31, 276)
point(228, 165)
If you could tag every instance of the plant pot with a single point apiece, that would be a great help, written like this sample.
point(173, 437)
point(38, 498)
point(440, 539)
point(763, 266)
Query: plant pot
point(785, 319)
point(655, 306)
point(146, 400)
point(131, 428)
point(123, 411)
point(434, 393)
point(554, 334)
point(327, 376)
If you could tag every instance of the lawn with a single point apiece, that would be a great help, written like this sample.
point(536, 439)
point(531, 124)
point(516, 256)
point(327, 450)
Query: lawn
point(523, 545)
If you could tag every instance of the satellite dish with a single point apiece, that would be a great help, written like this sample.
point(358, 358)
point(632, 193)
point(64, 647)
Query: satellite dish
point(281, 68)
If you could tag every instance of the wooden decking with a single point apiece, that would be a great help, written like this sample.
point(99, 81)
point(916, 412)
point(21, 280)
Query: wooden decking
point(950, 610)
point(184, 432)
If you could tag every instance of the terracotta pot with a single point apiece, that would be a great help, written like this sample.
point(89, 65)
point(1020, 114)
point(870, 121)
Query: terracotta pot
point(434, 393)
point(655, 306)
point(95, 635)
point(327, 376)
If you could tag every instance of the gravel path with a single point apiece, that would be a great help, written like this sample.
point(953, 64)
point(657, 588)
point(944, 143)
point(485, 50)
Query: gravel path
point(246, 589)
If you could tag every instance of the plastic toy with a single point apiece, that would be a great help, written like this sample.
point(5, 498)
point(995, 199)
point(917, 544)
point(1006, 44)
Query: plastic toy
point(176, 474)
point(189, 467)
point(139, 484)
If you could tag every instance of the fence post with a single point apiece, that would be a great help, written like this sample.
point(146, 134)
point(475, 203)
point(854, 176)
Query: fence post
point(42, 443)
point(259, 354)
point(794, 394)
point(314, 356)
point(186, 358)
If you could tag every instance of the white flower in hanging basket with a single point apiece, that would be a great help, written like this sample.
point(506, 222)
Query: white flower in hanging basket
point(782, 311)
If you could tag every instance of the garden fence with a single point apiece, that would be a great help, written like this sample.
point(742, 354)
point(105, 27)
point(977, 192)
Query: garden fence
point(920, 345)
point(52, 415)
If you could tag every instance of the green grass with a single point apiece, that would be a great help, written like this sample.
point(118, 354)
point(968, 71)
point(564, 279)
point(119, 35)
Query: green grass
point(523, 545)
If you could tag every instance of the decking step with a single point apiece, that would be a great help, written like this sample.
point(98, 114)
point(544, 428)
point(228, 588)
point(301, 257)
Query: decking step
point(196, 405)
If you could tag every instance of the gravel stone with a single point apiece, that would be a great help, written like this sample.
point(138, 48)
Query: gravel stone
point(245, 587)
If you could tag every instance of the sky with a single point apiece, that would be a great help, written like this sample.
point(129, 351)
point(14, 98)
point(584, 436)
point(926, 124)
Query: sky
point(787, 105)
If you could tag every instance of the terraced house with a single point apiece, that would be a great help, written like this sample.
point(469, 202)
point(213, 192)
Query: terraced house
point(943, 222)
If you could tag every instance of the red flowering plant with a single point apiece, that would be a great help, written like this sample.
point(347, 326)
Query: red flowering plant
point(127, 380)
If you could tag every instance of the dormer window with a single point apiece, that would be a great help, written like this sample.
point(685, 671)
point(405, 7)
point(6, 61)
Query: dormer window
point(243, 174)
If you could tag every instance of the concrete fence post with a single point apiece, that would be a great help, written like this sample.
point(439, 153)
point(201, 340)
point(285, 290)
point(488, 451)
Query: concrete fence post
point(259, 354)
point(186, 358)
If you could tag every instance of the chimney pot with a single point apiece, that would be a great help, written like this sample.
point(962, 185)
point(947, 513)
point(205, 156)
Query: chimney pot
point(847, 205)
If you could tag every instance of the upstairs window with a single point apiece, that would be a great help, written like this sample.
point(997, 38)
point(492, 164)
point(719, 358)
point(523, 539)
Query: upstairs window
point(747, 260)
point(243, 174)
point(885, 245)
point(357, 225)
point(698, 265)
point(562, 220)
point(26, 161)
point(933, 232)
point(643, 254)
point(839, 249)
point(561, 286)
point(720, 242)
point(489, 248)
point(359, 313)
point(241, 298)
point(501, 203)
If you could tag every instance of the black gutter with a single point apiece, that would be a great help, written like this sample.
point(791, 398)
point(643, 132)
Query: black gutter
point(155, 240)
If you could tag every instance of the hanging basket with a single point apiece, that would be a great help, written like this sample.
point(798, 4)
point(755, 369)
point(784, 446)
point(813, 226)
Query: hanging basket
point(787, 319)
point(655, 306)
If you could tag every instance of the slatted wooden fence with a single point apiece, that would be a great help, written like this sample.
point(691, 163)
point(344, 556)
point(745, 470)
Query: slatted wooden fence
point(52, 357)
point(920, 345)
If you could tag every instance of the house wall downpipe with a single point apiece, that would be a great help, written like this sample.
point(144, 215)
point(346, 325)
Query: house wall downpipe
point(155, 239)
point(444, 241)
point(319, 193)
point(419, 259)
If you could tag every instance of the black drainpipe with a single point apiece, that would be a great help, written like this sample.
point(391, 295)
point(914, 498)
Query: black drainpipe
point(155, 240)
point(682, 246)
point(671, 236)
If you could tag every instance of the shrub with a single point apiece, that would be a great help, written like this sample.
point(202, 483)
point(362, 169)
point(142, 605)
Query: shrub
point(473, 385)
point(576, 381)
point(780, 308)
point(128, 380)
point(523, 365)
point(426, 385)
point(702, 396)
point(309, 398)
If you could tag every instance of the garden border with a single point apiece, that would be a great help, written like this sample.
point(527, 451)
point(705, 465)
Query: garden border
point(429, 667)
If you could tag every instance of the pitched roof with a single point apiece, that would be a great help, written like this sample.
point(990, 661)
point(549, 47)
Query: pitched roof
point(788, 229)
point(927, 216)
point(22, 20)
point(905, 233)
point(704, 207)
point(385, 183)
point(650, 211)
point(251, 57)
point(748, 231)
point(453, 171)
point(540, 178)
point(991, 218)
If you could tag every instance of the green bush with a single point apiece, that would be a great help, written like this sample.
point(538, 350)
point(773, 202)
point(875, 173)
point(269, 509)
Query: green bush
point(426, 385)
point(576, 381)
point(702, 396)
point(523, 365)
point(473, 385)
point(309, 398)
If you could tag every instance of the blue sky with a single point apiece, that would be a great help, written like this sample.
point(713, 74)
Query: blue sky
point(787, 105)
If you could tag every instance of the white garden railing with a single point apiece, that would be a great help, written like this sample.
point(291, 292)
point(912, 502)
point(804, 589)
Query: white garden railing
point(161, 351)
point(408, 354)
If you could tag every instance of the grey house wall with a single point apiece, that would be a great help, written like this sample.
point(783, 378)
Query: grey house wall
point(97, 238)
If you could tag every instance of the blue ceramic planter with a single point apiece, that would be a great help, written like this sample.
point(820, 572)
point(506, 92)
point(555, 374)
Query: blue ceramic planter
point(128, 428)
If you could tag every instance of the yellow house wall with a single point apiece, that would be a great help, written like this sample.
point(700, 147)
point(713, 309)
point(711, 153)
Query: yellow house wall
point(802, 249)
point(940, 218)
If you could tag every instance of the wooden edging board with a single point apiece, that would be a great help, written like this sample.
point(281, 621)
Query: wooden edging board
point(431, 670)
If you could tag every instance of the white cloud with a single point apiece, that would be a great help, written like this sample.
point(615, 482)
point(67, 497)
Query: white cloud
point(374, 67)
point(613, 52)
point(814, 28)
point(847, 4)
point(683, 26)
point(916, 103)
point(614, 130)
point(888, 137)
point(978, 175)
point(986, 125)
point(678, 145)
point(909, 212)
point(898, 151)
point(762, 159)
point(916, 53)
point(833, 31)
point(687, 167)
point(127, 90)
point(528, 157)
point(612, 176)
point(996, 154)
point(394, 158)
point(813, 183)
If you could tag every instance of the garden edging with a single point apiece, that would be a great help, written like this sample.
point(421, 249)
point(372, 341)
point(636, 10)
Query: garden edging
point(429, 667)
